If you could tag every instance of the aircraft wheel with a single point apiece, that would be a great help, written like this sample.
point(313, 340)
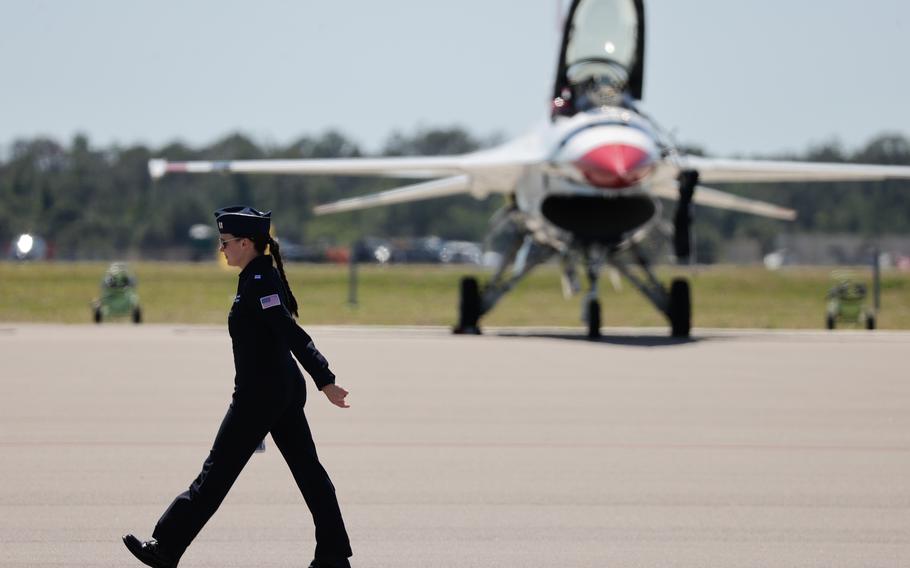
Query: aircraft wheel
point(468, 307)
point(137, 315)
point(97, 315)
point(680, 311)
point(829, 321)
point(593, 318)
point(870, 321)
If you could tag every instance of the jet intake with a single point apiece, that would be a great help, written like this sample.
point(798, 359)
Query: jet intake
point(615, 166)
point(606, 220)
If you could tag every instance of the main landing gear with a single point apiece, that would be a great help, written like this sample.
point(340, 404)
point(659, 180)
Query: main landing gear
point(469, 307)
point(674, 302)
point(475, 300)
point(520, 254)
point(679, 308)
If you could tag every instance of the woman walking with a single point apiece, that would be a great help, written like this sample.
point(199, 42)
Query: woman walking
point(269, 395)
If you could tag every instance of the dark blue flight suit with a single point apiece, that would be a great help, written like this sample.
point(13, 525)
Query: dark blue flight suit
point(269, 394)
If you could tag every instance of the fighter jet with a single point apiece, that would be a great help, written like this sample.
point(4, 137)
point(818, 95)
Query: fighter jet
point(585, 188)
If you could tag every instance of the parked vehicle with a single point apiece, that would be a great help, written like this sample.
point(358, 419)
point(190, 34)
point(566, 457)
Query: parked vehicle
point(118, 295)
point(847, 303)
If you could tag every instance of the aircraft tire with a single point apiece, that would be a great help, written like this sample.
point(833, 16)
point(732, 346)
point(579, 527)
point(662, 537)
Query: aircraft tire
point(137, 315)
point(829, 321)
point(870, 322)
point(468, 307)
point(97, 315)
point(680, 312)
point(593, 319)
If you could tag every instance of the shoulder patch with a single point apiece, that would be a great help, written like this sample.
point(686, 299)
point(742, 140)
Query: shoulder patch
point(257, 277)
point(270, 301)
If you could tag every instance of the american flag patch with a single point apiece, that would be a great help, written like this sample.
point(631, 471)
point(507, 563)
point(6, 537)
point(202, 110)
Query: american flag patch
point(270, 301)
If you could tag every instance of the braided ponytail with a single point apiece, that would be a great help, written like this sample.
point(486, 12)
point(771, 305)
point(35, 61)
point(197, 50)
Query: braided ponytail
point(276, 253)
point(259, 243)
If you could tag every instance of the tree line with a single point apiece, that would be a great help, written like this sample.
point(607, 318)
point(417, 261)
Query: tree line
point(99, 203)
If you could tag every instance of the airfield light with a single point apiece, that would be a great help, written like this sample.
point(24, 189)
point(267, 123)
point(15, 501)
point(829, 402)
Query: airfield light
point(24, 244)
point(382, 254)
point(201, 232)
point(609, 47)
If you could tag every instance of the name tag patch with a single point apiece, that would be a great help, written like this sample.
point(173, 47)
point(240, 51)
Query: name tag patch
point(270, 301)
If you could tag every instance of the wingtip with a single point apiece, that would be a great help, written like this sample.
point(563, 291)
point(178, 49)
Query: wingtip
point(157, 168)
point(787, 214)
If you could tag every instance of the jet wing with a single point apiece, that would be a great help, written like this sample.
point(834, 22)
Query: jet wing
point(721, 200)
point(712, 170)
point(508, 159)
point(421, 166)
point(479, 173)
point(419, 191)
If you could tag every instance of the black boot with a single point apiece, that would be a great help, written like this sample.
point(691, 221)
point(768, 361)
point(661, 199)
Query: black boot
point(148, 552)
point(324, 563)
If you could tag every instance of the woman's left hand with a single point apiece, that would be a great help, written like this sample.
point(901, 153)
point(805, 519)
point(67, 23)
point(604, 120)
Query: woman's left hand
point(336, 395)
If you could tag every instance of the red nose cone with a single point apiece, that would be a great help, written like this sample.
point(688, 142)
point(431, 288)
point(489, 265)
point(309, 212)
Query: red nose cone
point(615, 166)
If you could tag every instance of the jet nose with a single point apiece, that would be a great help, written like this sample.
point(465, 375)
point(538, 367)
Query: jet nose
point(616, 165)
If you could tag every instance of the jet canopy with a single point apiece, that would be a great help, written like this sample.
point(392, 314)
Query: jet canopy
point(602, 58)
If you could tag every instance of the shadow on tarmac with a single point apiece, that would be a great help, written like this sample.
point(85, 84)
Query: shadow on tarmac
point(625, 340)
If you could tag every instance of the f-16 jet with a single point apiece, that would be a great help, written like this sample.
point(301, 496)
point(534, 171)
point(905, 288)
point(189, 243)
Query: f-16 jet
point(585, 188)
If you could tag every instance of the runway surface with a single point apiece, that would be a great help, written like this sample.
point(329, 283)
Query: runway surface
point(521, 448)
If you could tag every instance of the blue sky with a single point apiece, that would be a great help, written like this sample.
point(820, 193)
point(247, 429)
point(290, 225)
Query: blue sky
point(737, 77)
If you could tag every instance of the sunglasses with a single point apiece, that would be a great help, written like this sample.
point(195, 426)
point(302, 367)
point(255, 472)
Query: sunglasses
point(224, 242)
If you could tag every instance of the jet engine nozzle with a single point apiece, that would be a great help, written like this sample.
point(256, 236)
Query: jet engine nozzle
point(615, 165)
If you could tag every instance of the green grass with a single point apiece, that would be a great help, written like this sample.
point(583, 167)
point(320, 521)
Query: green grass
point(427, 295)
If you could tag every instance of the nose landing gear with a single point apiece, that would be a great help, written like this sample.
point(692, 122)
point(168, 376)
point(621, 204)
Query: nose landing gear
point(591, 316)
point(590, 313)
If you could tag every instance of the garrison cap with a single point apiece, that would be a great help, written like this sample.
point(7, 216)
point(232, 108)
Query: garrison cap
point(241, 220)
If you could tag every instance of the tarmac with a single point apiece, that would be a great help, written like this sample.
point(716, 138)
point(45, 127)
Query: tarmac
point(520, 448)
